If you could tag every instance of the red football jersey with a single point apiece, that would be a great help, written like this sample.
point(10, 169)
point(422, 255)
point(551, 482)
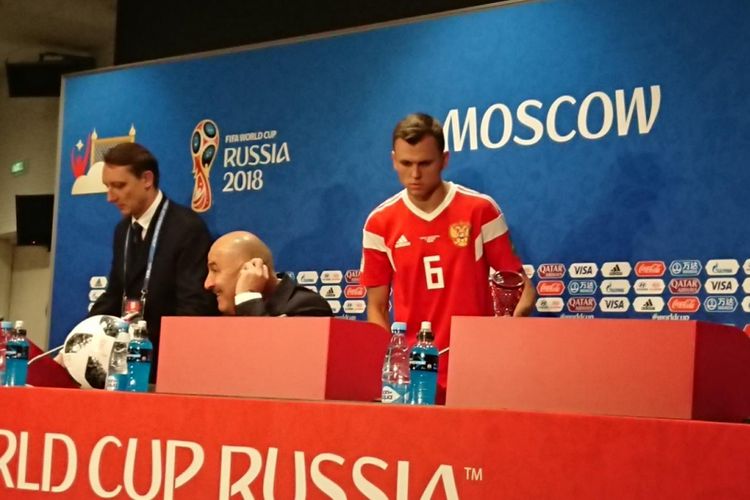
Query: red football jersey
point(437, 263)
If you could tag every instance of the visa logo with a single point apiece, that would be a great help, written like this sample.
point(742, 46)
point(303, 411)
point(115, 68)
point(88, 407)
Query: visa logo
point(614, 304)
point(583, 270)
point(721, 285)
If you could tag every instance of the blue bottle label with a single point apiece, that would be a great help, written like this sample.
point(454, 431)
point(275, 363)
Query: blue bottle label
point(395, 393)
point(17, 351)
point(422, 361)
point(142, 355)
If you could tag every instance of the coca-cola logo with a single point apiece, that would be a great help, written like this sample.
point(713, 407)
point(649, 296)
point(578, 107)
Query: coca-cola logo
point(548, 288)
point(551, 271)
point(684, 304)
point(355, 291)
point(650, 269)
point(684, 286)
point(581, 304)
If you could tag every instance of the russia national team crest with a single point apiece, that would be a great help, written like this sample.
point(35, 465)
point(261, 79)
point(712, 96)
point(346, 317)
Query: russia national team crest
point(459, 233)
point(203, 146)
point(87, 161)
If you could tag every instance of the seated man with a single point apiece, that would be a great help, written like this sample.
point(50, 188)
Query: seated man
point(241, 275)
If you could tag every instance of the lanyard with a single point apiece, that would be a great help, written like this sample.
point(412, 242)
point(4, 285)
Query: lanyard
point(151, 252)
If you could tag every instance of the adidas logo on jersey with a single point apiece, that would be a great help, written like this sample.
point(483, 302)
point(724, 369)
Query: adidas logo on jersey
point(402, 242)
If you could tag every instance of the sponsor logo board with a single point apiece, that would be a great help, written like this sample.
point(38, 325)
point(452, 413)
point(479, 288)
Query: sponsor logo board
point(335, 306)
point(352, 276)
point(650, 268)
point(307, 277)
point(583, 270)
point(354, 306)
point(746, 304)
point(746, 285)
point(582, 287)
point(550, 304)
point(550, 271)
point(684, 304)
point(616, 269)
point(722, 267)
point(724, 304)
point(330, 291)
point(684, 286)
point(581, 304)
point(648, 304)
point(721, 286)
point(95, 294)
point(614, 304)
point(649, 286)
point(331, 277)
point(355, 291)
point(98, 282)
point(529, 270)
point(685, 267)
point(615, 287)
point(547, 288)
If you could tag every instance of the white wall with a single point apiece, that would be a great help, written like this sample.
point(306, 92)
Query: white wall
point(29, 132)
point(29, 299)
point(6, 268)
point(28, 127)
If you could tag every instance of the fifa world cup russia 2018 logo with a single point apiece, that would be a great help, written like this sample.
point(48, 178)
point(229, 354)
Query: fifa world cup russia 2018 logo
point(203, 146)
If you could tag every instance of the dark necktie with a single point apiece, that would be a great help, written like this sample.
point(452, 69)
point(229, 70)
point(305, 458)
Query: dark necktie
point(136, 234)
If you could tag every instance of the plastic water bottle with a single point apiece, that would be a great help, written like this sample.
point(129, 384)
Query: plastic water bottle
point(117, 373)
point(17, 357)
point(140, 351)
point(423, 365)
point(396, 367)
point(6, 330)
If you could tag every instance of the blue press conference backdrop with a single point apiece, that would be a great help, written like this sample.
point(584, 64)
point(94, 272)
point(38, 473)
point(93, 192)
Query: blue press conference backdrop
point(609, 132)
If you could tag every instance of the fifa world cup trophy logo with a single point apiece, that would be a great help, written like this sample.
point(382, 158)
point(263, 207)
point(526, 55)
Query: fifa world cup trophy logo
point(203, 147)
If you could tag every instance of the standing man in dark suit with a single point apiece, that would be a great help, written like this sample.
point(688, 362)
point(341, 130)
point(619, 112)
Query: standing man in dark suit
point(159, 248)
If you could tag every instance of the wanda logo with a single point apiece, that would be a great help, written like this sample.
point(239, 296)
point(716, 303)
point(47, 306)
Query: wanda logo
point(684, 304)
point(547, 288)
point(650, 269)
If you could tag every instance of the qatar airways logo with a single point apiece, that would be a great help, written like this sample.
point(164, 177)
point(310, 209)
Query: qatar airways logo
point(624, 113)
point(551, 271)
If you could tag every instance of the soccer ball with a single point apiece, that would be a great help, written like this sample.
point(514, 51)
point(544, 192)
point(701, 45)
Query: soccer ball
point(87, 349)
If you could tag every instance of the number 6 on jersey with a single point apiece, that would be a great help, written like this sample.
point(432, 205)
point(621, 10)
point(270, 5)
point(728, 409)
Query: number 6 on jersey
point(433, 274)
